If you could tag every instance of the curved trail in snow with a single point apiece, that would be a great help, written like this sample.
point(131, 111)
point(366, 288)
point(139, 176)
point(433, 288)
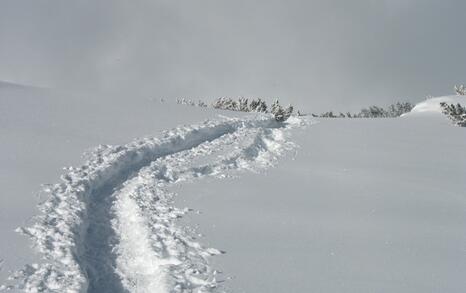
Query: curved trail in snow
point(110, 226)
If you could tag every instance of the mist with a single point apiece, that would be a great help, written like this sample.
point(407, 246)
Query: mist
point(319, 55)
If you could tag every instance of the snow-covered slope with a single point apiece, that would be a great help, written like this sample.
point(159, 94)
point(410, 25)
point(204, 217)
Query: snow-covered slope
point(43, 131)
point(355, 205)
point(432, 106)
point(110, 225)
point(364, 205)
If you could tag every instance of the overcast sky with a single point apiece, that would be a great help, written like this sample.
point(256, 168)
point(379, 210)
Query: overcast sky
point(322, 54)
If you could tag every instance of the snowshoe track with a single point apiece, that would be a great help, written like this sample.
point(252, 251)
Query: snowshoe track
point(110, 226)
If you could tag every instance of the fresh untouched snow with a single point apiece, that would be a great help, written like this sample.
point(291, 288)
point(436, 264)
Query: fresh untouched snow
point(363, 205)
point(355, 205)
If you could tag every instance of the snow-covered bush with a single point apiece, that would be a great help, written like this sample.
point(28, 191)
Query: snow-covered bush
point(456, 113)
point(243, 105)
point(279, 113)
point(201, 104)
point(189, 102)
point(231, 105)
point(225, 103)
point(258, 106)
point(289, 111)
point(328, 115)
point(255, 105)
point(218, 103)
point(460, 90)
point(184, 101)
point(400, 108)
point(373, 112)
point(394, 110)
point(275, 106)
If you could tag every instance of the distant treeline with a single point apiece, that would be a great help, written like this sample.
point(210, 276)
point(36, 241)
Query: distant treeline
point(242, 104)
point(394, 110)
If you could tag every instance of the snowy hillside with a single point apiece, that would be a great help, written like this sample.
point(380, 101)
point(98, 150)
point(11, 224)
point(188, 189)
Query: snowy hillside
point(118, 193)
point(363, 205)
point(324, 205)
point(432, 106)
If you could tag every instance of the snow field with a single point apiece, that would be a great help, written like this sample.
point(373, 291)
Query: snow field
point(110, 225)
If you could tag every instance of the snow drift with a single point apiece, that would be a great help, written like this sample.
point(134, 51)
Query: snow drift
point(432, 105)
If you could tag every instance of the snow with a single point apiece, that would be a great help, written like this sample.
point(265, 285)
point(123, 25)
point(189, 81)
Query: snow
point(363, 205)
point(432, 105)
point(43, 130)
point(172, 198)
point(108, 226)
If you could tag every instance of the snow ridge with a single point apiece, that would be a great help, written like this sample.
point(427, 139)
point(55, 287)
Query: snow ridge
point(110, 226)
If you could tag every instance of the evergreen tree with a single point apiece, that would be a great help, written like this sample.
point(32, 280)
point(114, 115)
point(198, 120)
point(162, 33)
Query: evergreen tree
point(275, 106)
point(261, 106)
point(460, 90)
point(456, 113)
point(219, 103)
point(254, 105)
point(243, 105)
point(279, 114)
point(288, 112)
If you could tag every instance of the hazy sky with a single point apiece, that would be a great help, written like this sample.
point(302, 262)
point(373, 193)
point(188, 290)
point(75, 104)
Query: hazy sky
point(323, 54)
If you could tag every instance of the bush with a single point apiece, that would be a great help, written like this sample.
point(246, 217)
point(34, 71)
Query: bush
point(398, 109)
point(460, 90)
point(456, 113)
point(183, 101)
point(225, 104)
point(256, 105)
point(394, 110)
point(243, 105)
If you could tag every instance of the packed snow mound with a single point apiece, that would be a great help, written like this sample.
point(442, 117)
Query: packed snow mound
point(432, 106)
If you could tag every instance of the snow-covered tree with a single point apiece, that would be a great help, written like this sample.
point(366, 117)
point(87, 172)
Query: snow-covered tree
point(253, 105)
point(373, 112)
point(460, 90)
point(231, 105)
point(218, 103)
point(398, 109)
point(328, 115)
point(258, 106)
point(262, 107)
point(243, 105)
point(184, 101)
point(288, 112)
point(456, 113)
point(279, 114)
point(274, 107)
point(225, 103)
